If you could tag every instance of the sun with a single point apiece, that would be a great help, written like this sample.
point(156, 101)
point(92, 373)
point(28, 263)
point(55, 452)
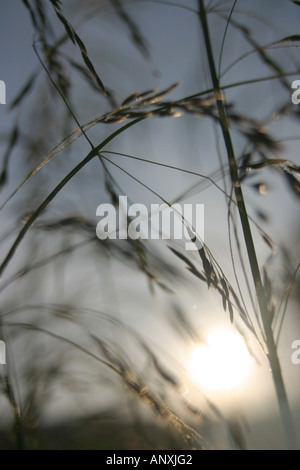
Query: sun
point(222, 363)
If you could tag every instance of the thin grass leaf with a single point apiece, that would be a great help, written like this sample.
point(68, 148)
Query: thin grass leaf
point(32, 327)
point(32, 13)
point(265, 163)
point(267, 284)
point(130, 99)
point(224, 293)
point(25, 90)
point(272, 45)
point(230, 312)
point(182, 324)
point(92, 154)
point(268, 294)
point(182, 257)
point(294, 184)
point(236, 432)
point(158, 96)
point(12, 142)
point(287, 295)
point(136, 34)
point(292, 38)
point(272, 64)
point(195, 410)
point(76, 40)
point(285, 166)
point(197, 274)
point(224, 37)
point(80, 44)
point(225, 286)
point(68, 27)
point(224, 301)
point(93, 72)
point(165, 288)
point(206, 266)
point(238, 304)
point(84, 73)
point(56, 3)
point(160, 369)
point(292, 168)
point(41, 13)
point(261, 139)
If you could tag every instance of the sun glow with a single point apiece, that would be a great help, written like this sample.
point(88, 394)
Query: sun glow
point(222, 363)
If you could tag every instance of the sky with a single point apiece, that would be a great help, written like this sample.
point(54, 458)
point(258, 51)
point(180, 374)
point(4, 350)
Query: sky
point(176, 55)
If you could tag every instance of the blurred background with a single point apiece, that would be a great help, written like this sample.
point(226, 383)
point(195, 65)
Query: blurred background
point(114, 344)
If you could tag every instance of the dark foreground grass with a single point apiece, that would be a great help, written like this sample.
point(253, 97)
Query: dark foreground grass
point(247, 148)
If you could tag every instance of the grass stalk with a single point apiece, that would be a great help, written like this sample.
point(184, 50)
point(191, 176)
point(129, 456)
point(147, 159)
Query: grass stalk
point(250, 247)
point(32, 218)
point(19, 440)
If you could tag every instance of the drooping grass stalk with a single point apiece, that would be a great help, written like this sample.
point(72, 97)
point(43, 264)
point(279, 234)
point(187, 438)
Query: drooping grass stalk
point(16, 411)
point(250, 247)
point(30, 221)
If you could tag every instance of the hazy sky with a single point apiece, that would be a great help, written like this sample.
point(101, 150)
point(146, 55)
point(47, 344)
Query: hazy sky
point(177, 54)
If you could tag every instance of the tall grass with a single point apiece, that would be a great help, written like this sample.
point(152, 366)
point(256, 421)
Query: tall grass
point(93, 334)
point(255, 270)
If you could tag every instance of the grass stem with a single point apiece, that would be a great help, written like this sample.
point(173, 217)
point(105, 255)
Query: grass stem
point(259, 288)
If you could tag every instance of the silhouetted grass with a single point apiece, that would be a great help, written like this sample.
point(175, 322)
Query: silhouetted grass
point(144, 376)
